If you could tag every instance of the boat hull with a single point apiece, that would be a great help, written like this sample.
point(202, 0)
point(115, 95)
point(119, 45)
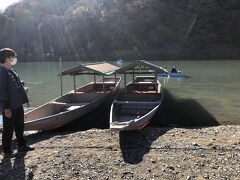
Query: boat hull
point(63, 118)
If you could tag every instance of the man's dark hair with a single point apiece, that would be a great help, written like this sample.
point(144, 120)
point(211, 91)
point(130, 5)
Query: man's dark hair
point(6, 53)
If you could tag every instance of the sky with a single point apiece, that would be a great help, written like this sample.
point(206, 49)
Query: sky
point(5, 3)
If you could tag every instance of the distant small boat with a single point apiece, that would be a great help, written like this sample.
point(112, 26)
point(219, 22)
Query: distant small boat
point(172, 74)
point(132, 110)
point(179, 74)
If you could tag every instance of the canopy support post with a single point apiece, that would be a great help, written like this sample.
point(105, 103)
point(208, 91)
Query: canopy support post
point(125, 82)
point(156, 84)
point(94, 78)
point(61, 81)
point(104, 90)
point(74, 83)
point(133, 75)
point(115, 78)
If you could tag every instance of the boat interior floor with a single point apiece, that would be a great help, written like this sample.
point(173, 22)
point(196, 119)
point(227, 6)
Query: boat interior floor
point(133, 111)
point(129, 106)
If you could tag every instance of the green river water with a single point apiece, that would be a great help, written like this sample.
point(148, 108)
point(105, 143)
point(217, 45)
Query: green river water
point(213, 84)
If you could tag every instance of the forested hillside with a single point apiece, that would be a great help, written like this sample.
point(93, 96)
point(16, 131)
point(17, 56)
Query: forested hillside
point(127, 29)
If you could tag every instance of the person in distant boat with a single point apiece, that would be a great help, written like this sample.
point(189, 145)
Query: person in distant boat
point(12, 97)
point(174, 69)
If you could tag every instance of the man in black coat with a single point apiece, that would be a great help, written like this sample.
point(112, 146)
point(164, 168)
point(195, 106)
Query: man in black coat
point(12, 98)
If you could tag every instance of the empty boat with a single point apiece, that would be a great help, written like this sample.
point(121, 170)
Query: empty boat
point(138, 103)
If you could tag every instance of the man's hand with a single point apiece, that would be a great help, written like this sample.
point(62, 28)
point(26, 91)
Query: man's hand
point(8, 113)
point(28, 105)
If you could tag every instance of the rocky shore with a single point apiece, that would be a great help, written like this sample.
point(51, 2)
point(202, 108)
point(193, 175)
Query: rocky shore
point(152, 153)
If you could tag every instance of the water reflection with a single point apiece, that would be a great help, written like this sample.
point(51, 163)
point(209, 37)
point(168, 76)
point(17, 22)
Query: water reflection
point(166, 79)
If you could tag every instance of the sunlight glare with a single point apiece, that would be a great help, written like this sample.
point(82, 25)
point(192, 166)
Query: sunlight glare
point(5, 3)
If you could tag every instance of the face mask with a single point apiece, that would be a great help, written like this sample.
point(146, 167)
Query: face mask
point(14, 61)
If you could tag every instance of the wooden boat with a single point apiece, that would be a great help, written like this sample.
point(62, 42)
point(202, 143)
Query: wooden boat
point(134, 108)
point(72, 105)
point(76, 103)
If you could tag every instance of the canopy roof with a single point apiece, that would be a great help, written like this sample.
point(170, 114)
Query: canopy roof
point(145, 65)
point(100, 68)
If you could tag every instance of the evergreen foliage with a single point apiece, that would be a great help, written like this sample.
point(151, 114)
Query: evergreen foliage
point(130, 29)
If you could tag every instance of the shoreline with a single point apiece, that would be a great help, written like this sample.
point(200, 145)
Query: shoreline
point(159, 153)
point(32, 60)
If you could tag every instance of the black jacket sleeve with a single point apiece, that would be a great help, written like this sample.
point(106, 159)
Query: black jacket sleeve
point(3, 87)
point(5, 104)
point(4, 90)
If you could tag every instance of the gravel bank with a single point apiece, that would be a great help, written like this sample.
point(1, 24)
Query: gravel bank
point(152, 153)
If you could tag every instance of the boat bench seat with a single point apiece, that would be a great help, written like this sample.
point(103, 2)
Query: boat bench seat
point(136, 102)
point(71, 108)
point(134, 112)
point(143, 91)
point(138, 106)
point(70, 104)
point(102, 92)
point(100, 82)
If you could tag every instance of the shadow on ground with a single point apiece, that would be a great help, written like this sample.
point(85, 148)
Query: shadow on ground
point(15, 171)
point(174, 112)
point(135, 144)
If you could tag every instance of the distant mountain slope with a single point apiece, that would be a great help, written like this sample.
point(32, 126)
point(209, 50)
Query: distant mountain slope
point(101, 29)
